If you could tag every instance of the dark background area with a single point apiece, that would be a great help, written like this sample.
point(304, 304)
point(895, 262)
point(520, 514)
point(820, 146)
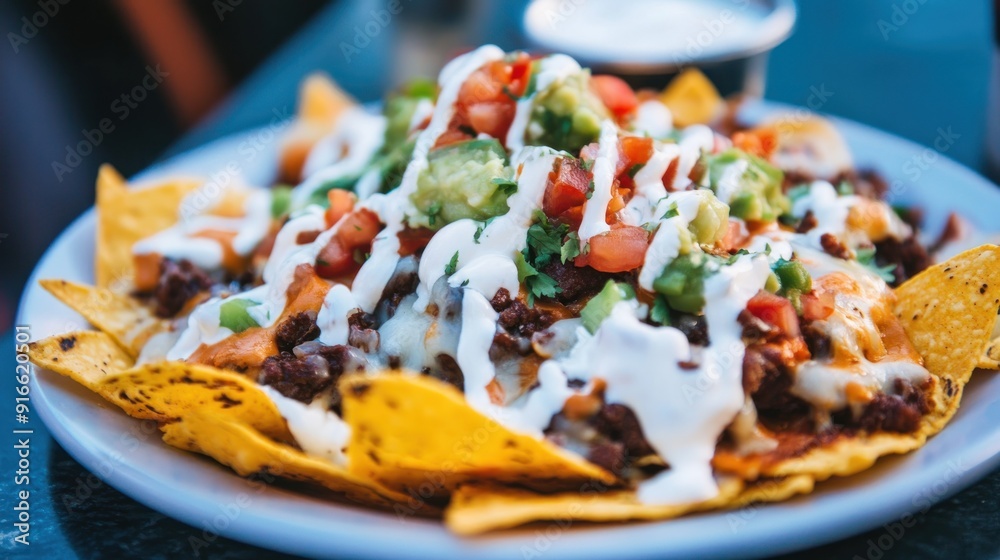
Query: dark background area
point(233, 61)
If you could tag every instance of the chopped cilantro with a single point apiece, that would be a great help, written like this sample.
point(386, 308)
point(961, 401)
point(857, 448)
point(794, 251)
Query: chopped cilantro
point(432, 212)
point(452, 265)
point(571, 248)
point(866, 257)
point(635, 169)
point(671, 212)
point(591, 187)
point(660, 313)
point(506, 186)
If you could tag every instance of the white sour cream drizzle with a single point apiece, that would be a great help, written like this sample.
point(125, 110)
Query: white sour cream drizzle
point(377, 270)
point(682, 411)
point(319, 432)
point(653, 118)
point(595, 210)
point(355, 139)
point(667, 240)
point(179, 242)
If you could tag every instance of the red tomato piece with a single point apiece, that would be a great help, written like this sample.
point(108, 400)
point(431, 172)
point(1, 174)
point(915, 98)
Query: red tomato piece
point(567, 188)
point(619, 250)
point(341, 202)
point(776, 311)
point(617, 95)
point(491, 117)
point(817, 305)
point(632, 151)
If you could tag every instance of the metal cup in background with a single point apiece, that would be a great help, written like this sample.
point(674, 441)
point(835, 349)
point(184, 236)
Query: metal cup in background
point(647, 42)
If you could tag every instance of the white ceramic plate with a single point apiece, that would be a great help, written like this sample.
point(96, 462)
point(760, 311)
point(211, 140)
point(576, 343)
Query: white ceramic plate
point(129, 455)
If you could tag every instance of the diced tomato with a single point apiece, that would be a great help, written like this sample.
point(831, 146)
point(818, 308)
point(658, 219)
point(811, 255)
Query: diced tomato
point(632, 151)
point(356, 232)
point(760, 142)
point(491, 117)
point(735, 238)
point(671, 175)
point(776, 311)
point(520, 74)
point(567, 188)
point(817, 305)
point(481, 86)
point(359, 228)
point(617, 95)
point(412, 240)
point(619, 250)
point(451, 136)
point(341, 202)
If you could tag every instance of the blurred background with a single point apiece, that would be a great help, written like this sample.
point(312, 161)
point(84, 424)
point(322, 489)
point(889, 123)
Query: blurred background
point(133, 81)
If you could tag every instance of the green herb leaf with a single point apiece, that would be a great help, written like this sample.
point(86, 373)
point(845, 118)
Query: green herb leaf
point(660, 313)
point(506, 186)
point(281, 201)
point(233, 314)
point(571, 248)
point(635, 169)
point(432, 212)
point(452, 265)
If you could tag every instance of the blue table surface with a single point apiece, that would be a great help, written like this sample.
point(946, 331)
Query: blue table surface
point(930, 72)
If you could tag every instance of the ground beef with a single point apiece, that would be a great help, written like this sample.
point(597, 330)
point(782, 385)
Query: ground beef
point(577, 282)
point(403, 283)
point(179, 282)
point(619, 423)
point(303, 374)
point(610, 455)
point(808, 223)
point(694, 327)
point(767, 378)
point(866, 182)
point(834, 246)
point(908, 257)
point(900, 412)
point(295, 330)
point(363, 331)
point(449, 372)
point(817, 341)
point(517, 317)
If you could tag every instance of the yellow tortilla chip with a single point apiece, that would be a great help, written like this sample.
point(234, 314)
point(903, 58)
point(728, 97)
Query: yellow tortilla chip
point(992, 358)
point(692, 99)
point(247, 451)
point(87, 357)
point(948, 312)
point(477, 509)
point(124, 216)
point(321, 103)
point(170, 390)
point(128, 322)
point(418, 433)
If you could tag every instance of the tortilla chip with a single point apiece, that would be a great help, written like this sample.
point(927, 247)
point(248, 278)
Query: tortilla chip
point(168, 391)
point(948, 313)
point(992, 358)
point(87, 357)
point(321, 103)
point(247, 451)
point(417, 433)
point(124, 216)
point(124, 318)
point(692, 99)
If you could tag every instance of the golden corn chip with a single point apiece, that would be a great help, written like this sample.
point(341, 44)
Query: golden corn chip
point(992, 358)
point(948, 313)
point(321, 102)
point(480, 508)
point(247, 451)
point(418, 433)
point(170, 390)
point(691, 98)
point(87, 357)
point(128, 322)
point(124, 216)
